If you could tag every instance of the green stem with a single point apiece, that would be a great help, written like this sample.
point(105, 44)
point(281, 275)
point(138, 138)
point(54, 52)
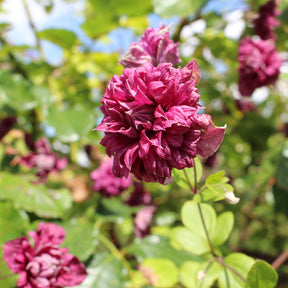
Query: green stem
point(188, 181)
point(111, 247)
point(194, 191)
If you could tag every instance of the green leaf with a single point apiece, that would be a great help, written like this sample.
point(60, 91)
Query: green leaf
point(38, 199)
point(70, 124)
point(241, 264)
point(199, 275)
point(183, 238)
point(214, 188)
point(217, 178)
point(60, 37)
point(105, 271)
point(80, 229)
point(16, 92)
point(180, 177)
point(154, 246)
point(9, 282)
point(13, 223)
point(182, 8)
point(163, 272)
point(261, 275)
point(224, 225)
point(191, 218)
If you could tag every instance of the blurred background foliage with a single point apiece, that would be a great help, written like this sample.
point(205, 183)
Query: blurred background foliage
point(62, 102)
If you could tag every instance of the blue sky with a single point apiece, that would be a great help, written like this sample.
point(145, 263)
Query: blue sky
point(66, 15)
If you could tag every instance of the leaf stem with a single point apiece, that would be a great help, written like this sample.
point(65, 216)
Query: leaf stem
point(111, 247)
point(222, 263)
point(188, 181)
point(280, 260)
point(206, 230)
point(33, 27)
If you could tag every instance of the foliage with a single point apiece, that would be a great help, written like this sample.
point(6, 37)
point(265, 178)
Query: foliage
point(197, 239)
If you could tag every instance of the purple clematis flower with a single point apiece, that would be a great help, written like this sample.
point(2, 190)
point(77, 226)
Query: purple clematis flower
point(155, 47)
point(43, 159)
point(259, 64)
point(265, 23)
point(44, 265)
point(106, 182)
point(151, 122)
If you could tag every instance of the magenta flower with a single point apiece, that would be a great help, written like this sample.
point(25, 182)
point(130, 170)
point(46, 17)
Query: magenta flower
point(106, 182)
point(43, 159)
point(259, 64)
point(44, 265)
point(265, 23)
point(6, 125)
point(155, 47)
point(143, 221)
point(151, 122)
point(139, 196)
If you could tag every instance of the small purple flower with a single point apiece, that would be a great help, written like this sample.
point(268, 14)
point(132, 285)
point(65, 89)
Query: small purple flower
point(265, 23)
point(43, 159)
point(139, 196)
point(151, 122)
point(143, 221)
point(259, 64)
point(155, 47)
point(106, 182)
point(6, 125)
point(44, 265)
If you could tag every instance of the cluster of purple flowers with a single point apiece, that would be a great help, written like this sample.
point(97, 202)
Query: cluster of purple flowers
point(259, 62)
point(43, 159)
point(45, 264)
point(152, 122)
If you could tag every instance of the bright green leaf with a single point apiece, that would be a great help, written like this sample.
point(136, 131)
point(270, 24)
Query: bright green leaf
point(105, 271)
point(163, 272)
point(261, 275)
point(154, 246)
point(38, 199)
point(241, 264)
point(80, 229)
point(60, 37)
point(188, 241)
point(180, 177)
point(224, 225)
point(70, 124)
point(182, 8)
point(199, 275)
point(191, 218)
point(12, 222)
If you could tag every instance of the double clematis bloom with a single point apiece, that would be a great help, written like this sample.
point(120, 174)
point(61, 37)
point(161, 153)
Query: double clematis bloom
point(43, 159)
point(151, 122)
point(143, 220)
point(259, 64)
point(105, 181)
point(155, 47)
point(44, 265)
point(265, 23)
